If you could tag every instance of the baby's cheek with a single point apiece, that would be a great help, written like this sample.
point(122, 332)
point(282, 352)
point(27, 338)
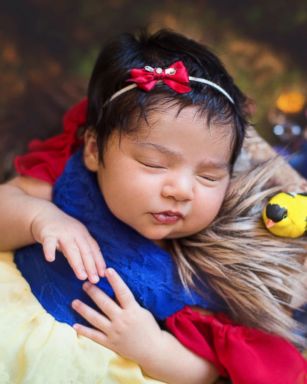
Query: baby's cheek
point(208, 210)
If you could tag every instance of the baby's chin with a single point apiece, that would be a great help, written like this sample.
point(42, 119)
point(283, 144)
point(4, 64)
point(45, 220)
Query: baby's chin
point(160, 233)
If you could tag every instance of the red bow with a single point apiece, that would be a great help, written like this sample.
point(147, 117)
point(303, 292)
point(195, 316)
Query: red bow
point(176, 77)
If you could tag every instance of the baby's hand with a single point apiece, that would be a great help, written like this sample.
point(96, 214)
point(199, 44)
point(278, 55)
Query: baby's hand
point(126, 327)
point(55, 230)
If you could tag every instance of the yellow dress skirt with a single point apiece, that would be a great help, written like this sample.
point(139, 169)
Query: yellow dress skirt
point(37, 349)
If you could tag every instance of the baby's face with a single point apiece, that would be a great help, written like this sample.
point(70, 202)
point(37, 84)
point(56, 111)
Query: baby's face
point(168, 180)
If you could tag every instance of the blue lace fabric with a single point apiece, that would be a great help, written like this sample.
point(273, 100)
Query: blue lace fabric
point(148, 270)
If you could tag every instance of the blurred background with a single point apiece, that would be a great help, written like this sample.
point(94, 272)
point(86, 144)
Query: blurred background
point(48, 48)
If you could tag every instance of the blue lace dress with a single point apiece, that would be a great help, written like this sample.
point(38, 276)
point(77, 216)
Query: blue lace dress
point(149, 271)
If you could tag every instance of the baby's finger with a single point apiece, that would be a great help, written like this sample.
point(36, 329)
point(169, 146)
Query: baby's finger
point(98, 257)
point(108, 306)
point(91, 333)
point(49, 248)
point(122, 292)
point(88, 260)
point(93, 317)
point(72, 254)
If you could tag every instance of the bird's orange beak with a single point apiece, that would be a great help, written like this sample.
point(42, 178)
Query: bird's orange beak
point(269, 223)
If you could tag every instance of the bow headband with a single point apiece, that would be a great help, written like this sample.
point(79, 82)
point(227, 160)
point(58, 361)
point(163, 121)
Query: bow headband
point(175, 77)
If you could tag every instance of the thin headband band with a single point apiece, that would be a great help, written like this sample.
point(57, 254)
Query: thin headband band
point(176, 77)
point(191, 78)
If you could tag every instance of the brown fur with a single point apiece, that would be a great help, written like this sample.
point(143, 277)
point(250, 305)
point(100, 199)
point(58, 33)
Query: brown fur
point(255, 272)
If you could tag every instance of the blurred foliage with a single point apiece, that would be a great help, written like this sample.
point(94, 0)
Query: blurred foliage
point(47, 50)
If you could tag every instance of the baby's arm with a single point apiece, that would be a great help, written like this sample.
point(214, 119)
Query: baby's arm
point(27, 216)
point(20, 201)
point(132, 332)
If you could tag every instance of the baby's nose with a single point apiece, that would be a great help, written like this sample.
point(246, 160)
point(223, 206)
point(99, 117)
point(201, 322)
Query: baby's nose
point(180, 188)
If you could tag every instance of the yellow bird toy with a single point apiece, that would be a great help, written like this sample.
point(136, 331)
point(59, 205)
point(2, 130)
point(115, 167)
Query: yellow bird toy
point(285, 214)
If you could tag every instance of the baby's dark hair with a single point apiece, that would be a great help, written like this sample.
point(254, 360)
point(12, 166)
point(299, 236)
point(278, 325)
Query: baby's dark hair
point(160, 49)
point(250, 270)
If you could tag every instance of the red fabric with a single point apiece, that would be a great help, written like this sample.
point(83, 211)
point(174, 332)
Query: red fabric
point(246, 355)
point(176, 77)
point(46, 159)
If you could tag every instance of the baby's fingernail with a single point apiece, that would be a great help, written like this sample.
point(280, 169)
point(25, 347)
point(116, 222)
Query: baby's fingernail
point(76, 327)
point(86, 285)
point(94, 279)
point(110, 271)
point(74, 303)
point(82, 275)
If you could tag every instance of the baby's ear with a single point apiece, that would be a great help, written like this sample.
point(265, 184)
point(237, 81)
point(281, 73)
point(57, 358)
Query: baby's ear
point(90, 152)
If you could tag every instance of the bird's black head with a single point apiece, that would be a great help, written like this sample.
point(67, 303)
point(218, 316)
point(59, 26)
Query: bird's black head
point(275, 212)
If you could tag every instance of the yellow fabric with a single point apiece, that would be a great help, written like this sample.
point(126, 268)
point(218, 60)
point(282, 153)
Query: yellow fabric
point(37, 349)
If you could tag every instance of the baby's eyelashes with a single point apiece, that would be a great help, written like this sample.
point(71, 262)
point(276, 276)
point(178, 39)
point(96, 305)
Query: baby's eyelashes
point(152, 165)
point(208, 178)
